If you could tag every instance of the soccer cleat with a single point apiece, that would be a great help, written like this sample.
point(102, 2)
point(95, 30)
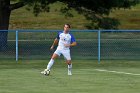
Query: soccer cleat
point(69, 73)
point(46, 72)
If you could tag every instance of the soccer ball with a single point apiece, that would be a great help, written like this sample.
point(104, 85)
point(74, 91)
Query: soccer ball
point(46, 72)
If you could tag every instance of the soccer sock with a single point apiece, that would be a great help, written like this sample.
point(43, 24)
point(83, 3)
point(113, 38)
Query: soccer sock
point(50, 64)
point(70, 67)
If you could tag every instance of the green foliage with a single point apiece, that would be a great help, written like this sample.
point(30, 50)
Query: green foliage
point(128, 18)
point(37, 6)
point(94, 10)
point(108, 23)
point(66, 11)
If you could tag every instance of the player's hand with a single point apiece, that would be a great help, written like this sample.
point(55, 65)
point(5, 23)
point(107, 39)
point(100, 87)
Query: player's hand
point(67, 45)
point(52, 47)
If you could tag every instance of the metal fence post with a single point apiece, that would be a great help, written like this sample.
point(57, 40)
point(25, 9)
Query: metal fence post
point(17, 45)
point(99, 46)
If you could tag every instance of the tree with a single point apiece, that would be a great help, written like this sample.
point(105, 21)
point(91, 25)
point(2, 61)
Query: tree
point(97, 11)
point(5, 11)
point(94, 10)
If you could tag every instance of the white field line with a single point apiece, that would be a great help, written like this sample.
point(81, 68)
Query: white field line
point(101, 70)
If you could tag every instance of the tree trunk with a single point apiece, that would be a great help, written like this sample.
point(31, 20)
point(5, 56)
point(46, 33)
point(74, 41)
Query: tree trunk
point(4, 22)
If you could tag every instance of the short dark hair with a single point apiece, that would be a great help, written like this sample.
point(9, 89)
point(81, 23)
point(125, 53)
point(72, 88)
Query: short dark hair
point(68, 25)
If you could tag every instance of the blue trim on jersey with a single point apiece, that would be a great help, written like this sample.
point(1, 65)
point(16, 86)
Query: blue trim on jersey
point(72, 38)
point(58, 35)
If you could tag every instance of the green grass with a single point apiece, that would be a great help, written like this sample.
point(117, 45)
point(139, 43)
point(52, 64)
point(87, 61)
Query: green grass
point(25, 77)
point(23, 19)
point(129, 18)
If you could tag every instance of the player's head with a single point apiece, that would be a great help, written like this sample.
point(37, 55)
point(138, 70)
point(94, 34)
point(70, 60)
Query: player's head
point(66, 28)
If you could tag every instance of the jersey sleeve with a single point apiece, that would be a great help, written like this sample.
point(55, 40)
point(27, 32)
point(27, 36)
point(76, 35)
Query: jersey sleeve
point(57, 37)
point(72, 39)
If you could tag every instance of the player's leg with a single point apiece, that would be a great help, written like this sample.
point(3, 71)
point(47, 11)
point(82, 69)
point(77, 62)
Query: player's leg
point(51, 62)
point(66, 54)
point(69, 67)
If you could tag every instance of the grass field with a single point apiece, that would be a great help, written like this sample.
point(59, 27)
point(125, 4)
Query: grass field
point(25, 77)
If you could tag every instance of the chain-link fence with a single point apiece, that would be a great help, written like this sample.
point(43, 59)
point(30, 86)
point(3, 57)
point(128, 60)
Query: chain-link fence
point(122, 44)
point(7, 44)
point(35, 44)
point(92, 44)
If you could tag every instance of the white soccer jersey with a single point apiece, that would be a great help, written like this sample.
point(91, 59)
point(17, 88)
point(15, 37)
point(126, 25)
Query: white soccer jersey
point(64, 39)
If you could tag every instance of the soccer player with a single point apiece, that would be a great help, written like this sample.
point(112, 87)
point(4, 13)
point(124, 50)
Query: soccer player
point(65, 40)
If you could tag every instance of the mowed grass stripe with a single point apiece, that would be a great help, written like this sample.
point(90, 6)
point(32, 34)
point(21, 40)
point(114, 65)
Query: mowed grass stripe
point(25, 77)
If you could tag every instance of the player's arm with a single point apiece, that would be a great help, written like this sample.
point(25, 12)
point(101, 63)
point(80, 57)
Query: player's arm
point(54, 43)
point(70, 45)
point(73, 44)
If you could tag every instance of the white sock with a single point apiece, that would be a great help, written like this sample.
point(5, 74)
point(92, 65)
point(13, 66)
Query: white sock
point(50, 64)
point(69, 68)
